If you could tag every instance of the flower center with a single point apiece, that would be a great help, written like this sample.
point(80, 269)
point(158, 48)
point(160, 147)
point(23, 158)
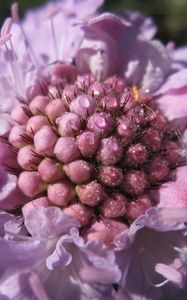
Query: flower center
point(94, 149)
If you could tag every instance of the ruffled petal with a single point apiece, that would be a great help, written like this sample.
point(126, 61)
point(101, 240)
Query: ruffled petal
point(60, 257)
point(157, 237)
point(145, 26)
point(100, 256)
point(47, 222)
point(5, 217)
point(146, 64)
point(10, 195)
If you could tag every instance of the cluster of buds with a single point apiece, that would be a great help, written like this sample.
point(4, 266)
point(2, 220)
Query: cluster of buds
point(93, 149)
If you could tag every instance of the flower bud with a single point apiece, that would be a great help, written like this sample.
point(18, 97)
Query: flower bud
point(152, 139)
point(157, 169)
point(50, 171)
point(69, 124)
point(111, 176)
point(110, 103)
point(88, 143)
point(80, 212)
point(31, 183)
point(60, 193)
point(114, 206)
point(27, 159)
point(38, 104)
point(100, 123)
point(69, 93)
point(97, 89)
point(55, 109)
point(105, 231)
point(19, 115)
point(134, 182)
point(16, 136)
point(91, 193)
point(66, 149)
point(35, 123)
point(126, 131)
point(110, 151)
point(78, 171)
point(83, 105)
point(138, 207)
point(136, 155)
point(45, 140)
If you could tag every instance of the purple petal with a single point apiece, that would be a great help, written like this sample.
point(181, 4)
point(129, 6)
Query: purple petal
point(109, 23)
point(180, 57)
point(4, 124)
point(5, 217)
point(160, 219)
point(144, 25)
point(60, 257)
point(47, 222)
point(158, 237)
point(37, 287)
point(174, 108)
point(174, 83)
point(154, 66)
point(103, 271)
point(173, 193)
point(10, 195)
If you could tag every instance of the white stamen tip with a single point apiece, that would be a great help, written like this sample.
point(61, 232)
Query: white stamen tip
point(169, 273)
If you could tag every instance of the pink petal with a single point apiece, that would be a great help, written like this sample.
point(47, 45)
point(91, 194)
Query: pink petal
point(173, 193)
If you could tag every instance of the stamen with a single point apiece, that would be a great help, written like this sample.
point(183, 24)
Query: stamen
point(169, 273)
point(16, 71)
point(54, 38)
point(50, 16)
point(16, 19)
point(157, 285)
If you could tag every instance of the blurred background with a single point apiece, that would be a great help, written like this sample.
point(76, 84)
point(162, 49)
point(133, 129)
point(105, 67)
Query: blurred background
point(169, 15)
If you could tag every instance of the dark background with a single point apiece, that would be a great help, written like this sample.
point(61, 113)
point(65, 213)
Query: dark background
point(169, 15)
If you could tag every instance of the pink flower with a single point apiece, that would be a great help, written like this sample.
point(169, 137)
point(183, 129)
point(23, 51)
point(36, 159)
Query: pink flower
point(91, 155)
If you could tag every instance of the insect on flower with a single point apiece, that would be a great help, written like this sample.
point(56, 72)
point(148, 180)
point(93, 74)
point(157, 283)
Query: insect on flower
point(138, 98)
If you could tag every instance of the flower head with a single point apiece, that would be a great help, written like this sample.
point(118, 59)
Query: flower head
point(93, 157)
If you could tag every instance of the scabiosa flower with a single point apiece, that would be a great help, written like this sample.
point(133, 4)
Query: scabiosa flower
point(93, 141)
